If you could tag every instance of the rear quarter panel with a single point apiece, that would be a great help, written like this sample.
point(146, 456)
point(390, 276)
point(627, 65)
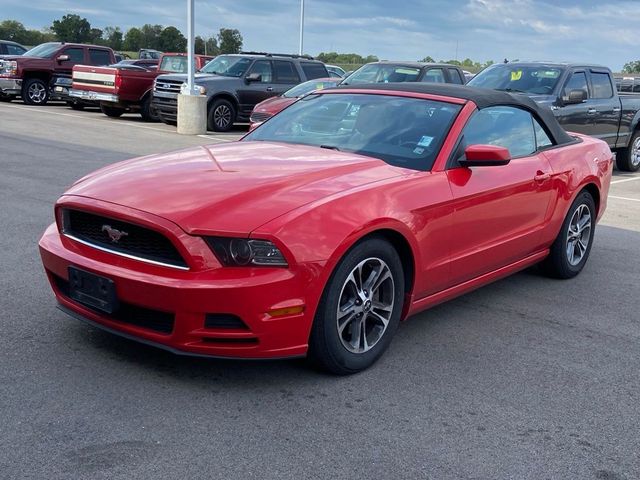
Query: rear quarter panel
point(586, 162)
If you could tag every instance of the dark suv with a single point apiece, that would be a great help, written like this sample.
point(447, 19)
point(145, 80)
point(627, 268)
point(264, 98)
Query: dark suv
point(234, 84)
point(7, 47)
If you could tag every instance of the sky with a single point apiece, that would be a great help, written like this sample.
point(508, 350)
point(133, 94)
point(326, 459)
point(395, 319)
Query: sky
point(603, 32)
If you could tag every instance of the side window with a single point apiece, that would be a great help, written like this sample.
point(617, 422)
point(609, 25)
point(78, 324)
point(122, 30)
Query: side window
point(99, 57)
point(601, 84)
point(542, 139)
point(578, 81)
point(313, 70)
point(76, 55)
point(434, 75)
point(508, 127)
point(286, 72)
point(15, 49)
point(262, 68)
point(455, 76)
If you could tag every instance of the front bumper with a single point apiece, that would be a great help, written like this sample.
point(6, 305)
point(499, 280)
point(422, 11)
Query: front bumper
point(93, 96)
point(11, 86)
point(184, 298)
point(166, 107)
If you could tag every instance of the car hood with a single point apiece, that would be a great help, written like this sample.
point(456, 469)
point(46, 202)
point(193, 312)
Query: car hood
point(232, 188)
point(273, 105)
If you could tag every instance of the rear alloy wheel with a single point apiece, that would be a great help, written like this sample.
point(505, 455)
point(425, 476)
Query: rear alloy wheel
point(570, 250)
point(112, 112)
point(35, 92)
point(628, 159)
point(222, 116)
point(359, 310)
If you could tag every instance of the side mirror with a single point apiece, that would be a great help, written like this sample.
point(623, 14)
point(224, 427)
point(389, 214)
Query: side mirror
point(485, 156)
point(253, 77)
point(575, 97)
point(62, 58)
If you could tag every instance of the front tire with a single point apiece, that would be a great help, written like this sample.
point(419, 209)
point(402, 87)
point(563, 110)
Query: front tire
point(112, 112)
point(147, 112)
point(360, 309)
point(628, 159)
point(222, 115)
point(571, 248)
point(35, 92)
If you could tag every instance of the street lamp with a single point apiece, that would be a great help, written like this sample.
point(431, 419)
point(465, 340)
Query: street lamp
point(301, 26)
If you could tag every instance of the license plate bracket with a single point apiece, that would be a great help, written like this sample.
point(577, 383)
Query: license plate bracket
point(92, 290)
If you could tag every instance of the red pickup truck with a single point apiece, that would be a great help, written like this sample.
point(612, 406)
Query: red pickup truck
point(126, 88)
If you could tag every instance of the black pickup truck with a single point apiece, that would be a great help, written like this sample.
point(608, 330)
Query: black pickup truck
point(234, 84)
point(582, 97)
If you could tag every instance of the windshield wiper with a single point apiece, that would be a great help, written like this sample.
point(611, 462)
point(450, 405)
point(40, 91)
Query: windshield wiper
point(330, 147)
point(511, 90)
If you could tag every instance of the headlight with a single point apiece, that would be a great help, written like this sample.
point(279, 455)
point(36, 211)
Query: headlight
point(8, 68)
point(234, 252)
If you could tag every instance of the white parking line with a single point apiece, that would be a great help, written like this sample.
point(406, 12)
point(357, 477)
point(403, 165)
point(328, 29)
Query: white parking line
point(625, 180)
point(625, 198)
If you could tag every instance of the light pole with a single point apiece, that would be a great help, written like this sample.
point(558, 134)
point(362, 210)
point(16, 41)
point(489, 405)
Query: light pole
point(301, 26)
point(190, 50)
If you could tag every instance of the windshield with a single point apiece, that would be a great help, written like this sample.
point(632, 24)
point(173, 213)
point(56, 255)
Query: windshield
point(308, 87)
point(406, 132)
point(44, 50)
point(382, 73)
point(228, 66)
point(176, 64)
point(518, 78)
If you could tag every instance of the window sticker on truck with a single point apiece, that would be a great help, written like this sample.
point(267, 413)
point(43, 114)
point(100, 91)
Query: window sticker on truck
point(516, 75)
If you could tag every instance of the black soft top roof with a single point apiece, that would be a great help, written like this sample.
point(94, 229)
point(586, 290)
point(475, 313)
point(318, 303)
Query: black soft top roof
point(482, 97)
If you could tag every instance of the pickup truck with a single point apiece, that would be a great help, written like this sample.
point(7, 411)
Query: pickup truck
point(582, 97)
point(126, 87)
point(33, 74)
point(235, 83)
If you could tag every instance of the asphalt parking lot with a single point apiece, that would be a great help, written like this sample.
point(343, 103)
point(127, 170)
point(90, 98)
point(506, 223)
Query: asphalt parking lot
point(528, 378)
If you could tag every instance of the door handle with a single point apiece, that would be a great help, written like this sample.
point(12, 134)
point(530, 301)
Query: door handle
point(541, 176)
point(269, 89)
point(592, 111)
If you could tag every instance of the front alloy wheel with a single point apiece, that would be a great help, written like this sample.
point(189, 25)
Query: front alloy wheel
point(35, 92)
point(222, 115)
point(360, 308)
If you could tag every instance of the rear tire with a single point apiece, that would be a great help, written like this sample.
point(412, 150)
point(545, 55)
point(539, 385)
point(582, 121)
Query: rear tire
point(571, 248)
point(360, 309)
point(147, 112)
point(113, 112)
point(221, 116)
point(35, 92)
point(628, 159)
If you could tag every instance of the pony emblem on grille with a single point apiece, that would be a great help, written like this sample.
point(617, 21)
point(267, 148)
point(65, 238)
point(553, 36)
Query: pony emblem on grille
point(114, 234)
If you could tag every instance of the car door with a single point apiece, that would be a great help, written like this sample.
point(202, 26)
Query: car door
point(574, 118)
point(603, 107)
point(254, 92)
point(76, 56)
point(499, 211)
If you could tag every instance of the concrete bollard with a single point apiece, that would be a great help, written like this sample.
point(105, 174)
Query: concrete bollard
point(192, 114)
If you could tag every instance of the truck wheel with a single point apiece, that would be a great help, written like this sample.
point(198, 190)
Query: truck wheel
point(75, 106)
point(35, 92)
point(359, 310)
point(222, 115)
point(112, 112)
point(628, 159)
point(571, 248)
point(147, 112)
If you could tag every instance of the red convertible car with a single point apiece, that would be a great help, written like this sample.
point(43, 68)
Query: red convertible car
point(318, 232)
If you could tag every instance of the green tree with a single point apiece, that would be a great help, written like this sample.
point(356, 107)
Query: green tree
point(198, 45)
point(12, 30)
point(151, 36)
point(230, 40)
point(72, 28)
point(212, 47)
point(133, 40)
point(95, 36)
point(631, 67)
point(113, 37)
point(171, 40)
point(428, 59)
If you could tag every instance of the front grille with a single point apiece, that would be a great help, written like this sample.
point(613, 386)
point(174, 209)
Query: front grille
point(257, 117)
point(148, 318)
point(134, 240)
point(167, 86)
point(224, 320)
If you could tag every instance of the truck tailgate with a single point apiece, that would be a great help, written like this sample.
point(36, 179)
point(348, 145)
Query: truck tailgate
point(97, 79)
